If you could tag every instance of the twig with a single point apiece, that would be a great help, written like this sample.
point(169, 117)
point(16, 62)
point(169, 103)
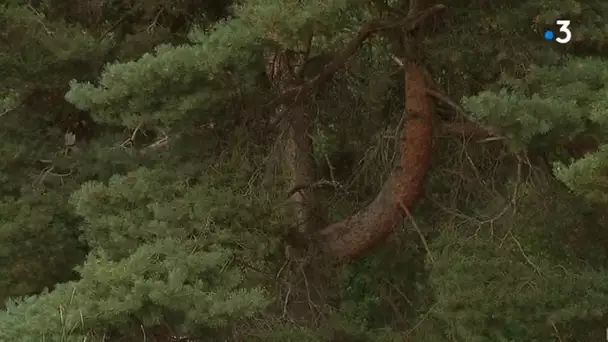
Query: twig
point(556, 331)
point(424, 317)
point(133, 135)
point(116, 24)
point(422, 238)
point(526, 256)
point(318, 184)
point(143, 332)
point(159, 143)
point(44, 173)
point(398, 61)
point(282, 268)
point(514, 197)
point(152, 26)
point(331, 169)
point(400, 292)
point(6, 111)
point(313, 307)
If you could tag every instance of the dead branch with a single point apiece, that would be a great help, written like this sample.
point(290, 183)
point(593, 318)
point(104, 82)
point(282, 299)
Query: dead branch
point(318, 184)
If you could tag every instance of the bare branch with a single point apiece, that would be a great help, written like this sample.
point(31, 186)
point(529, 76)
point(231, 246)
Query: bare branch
point(318, 184)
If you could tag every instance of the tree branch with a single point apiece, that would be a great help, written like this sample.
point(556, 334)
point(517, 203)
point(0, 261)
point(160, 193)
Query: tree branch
point(360, 232)
point(409, 24)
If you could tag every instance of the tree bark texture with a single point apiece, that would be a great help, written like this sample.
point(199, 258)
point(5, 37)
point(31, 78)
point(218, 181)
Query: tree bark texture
point(299, 166)
point(295, 145)
point(360, 232)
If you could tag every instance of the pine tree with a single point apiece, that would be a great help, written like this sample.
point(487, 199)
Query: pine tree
point(39, 233)
point(182, 229)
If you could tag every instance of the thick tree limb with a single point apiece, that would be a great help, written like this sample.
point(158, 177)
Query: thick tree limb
point(464, 126)
point(358, 233)
point(467, 129)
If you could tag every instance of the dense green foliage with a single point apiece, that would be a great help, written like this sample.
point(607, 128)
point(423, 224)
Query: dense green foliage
point(138, 199)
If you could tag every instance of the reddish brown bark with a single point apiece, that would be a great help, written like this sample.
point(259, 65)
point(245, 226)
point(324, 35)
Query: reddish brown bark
point(360, 232)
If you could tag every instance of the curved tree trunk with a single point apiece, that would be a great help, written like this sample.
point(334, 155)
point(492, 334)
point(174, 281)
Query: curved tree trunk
point(358, 233)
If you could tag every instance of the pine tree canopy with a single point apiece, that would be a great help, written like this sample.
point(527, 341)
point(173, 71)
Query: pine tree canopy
point(284, 170)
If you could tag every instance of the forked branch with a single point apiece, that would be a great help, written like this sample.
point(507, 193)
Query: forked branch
point(408, 24)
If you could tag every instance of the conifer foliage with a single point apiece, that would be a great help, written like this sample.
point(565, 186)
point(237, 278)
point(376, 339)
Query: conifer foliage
point(140, 197)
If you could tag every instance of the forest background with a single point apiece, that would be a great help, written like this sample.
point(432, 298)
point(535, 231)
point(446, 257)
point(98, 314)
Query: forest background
point(322, 170)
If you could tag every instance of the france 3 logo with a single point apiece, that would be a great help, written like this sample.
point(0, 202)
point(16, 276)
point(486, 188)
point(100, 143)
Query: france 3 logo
point(564, 34)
